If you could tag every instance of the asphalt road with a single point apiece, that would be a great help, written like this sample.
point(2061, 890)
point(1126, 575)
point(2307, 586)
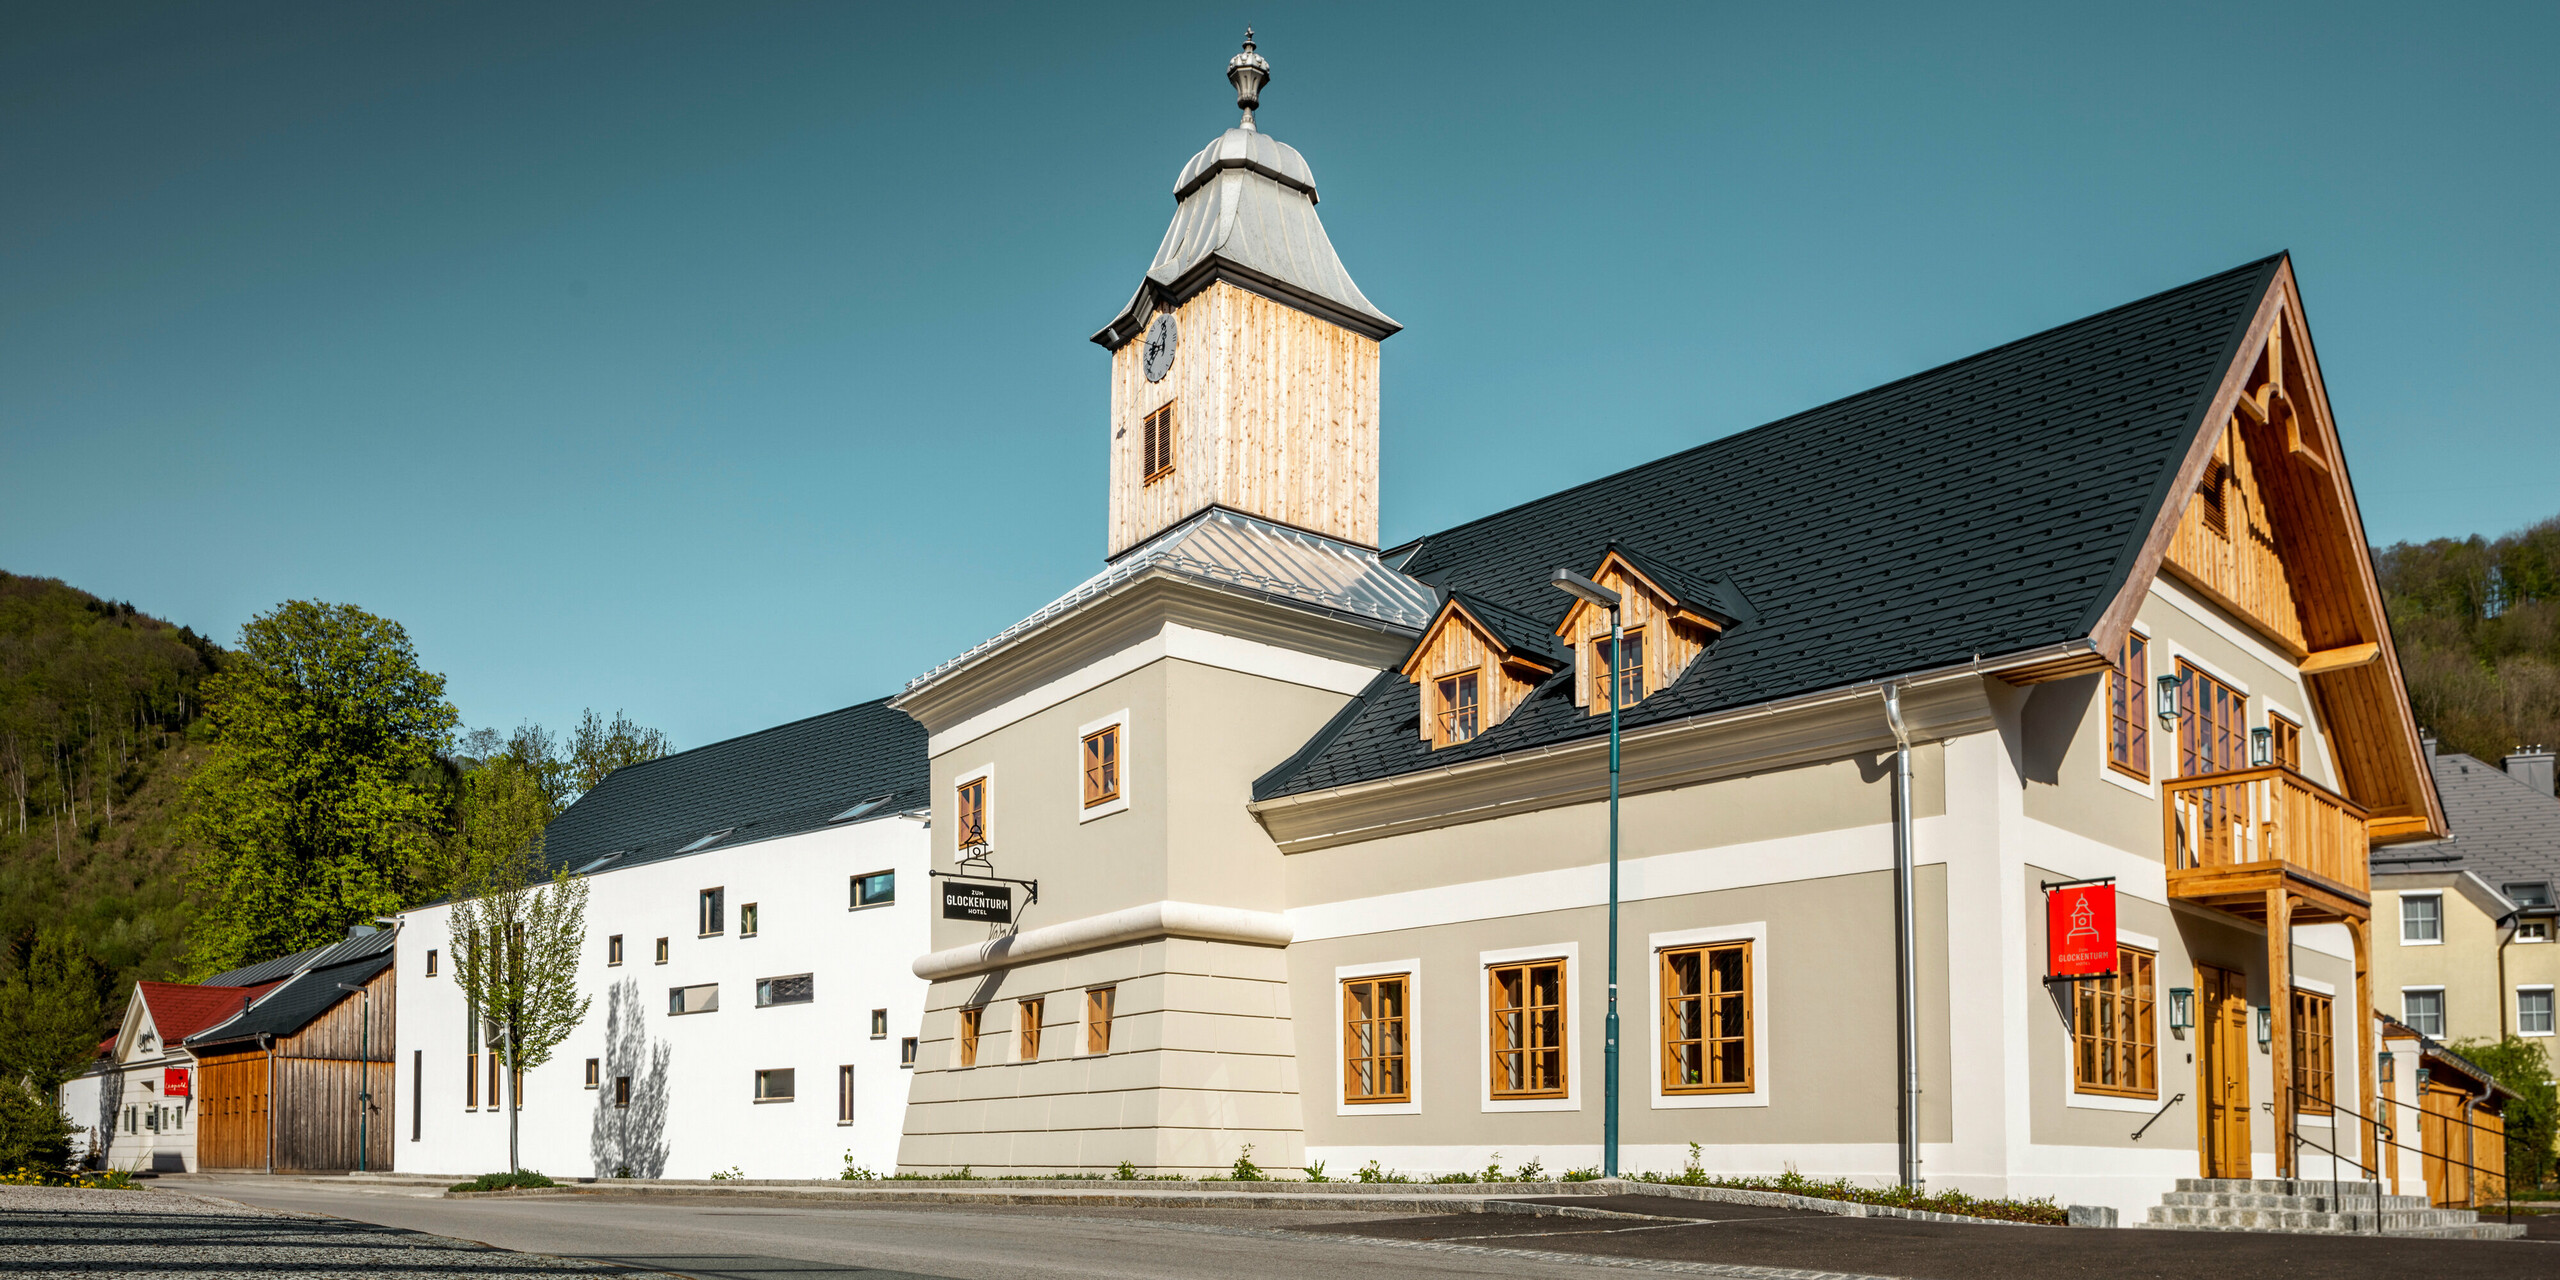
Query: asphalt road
point(742, 1237)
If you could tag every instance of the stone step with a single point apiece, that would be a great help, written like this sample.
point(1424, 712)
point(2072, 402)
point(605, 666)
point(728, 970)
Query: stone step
point(2459, 1223)
point(2269, 1200)
point(2469, 1231)
point(2281, 1186)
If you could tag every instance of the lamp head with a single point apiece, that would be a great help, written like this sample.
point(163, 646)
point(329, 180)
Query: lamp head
point(2168, 688)
point(1566, 580)
point(349, 986)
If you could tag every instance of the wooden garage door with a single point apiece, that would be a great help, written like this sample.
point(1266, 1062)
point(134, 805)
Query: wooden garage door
point(231, 1110)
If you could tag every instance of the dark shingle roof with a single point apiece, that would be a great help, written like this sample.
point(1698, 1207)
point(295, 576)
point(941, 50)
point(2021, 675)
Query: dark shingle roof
point(1986, 507)
point(369, 943)
point(777, 782)
point(299, 1002)
point(2503, 829)
point(1518, 632)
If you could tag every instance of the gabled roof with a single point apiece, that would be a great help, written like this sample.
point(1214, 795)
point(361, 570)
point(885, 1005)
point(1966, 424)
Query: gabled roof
point(296, 1002)
point(1995, 506)
point(180, 1009)
point(2504, 830)
point(1516, 632)
point(776, 782)
point(369, 942)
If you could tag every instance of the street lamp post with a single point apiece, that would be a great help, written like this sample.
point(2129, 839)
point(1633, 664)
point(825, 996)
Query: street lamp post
point(364, 1096)
point(1584, 588)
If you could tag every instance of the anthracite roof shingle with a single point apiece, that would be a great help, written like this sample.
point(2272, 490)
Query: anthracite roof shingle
point(775, 782)
point(1986, 507)
point(2503, 828)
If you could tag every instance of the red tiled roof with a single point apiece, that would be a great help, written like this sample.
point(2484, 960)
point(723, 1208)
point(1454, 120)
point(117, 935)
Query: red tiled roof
point(181, 1009)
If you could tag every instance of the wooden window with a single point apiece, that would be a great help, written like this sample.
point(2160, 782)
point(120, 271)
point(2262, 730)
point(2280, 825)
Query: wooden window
point(1373, 1040)
point(1158, 444)
point(494, 1095)
point(1102, 766)
point(1629, 683)
point(907, 1052)
point(776, 1084)
point(711, 918)
point(747, 920)
point(971, 829)
point(1460, 716)
point(2213, 725)
point(2286, 742)
point(875, 888)
point(2114, 1046)
point(969, 1019)
point(1528, 1029)
point(879, 1024)
point(595, 1072)
point(622, 1091)
point(613, 949)
point(2129, 708)
point(662, 951)
point(2315, 1067)
point(1706, 1019)
point(844, 1095)
point(431, 964)
point(1097, 1018)
point(1029, 1027)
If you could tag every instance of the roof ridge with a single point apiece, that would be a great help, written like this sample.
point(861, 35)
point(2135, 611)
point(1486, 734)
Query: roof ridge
point(1775, 423)
point(753, 733)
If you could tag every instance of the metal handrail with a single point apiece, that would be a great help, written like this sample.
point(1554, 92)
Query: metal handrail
point(2386, 1135)
point(2155, 1116)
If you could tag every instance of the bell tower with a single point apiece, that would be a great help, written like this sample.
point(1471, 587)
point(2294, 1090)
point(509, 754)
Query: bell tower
point(1244, 371)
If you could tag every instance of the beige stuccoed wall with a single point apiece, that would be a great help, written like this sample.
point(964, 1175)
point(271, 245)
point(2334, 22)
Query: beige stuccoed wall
point(1826, 972)
point(2465, 964)
point(1837, 795)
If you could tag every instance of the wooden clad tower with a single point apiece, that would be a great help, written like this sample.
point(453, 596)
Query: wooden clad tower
point(1244, 371)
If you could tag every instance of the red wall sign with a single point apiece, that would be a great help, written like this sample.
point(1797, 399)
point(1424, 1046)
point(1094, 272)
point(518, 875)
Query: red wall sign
point(2080, 929)
point(173, 1083)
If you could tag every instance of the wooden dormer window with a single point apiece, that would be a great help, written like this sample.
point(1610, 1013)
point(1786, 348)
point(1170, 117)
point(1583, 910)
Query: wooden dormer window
point(1476, 664)
point(1158, 443)
point(1459, 709)
point(1667, 623)
point(1630, 667)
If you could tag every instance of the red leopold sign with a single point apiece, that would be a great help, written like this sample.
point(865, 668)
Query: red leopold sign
point(173, 1084)
point(2080, 929)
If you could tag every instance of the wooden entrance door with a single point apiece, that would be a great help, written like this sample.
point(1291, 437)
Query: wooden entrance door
point(2222, 1070)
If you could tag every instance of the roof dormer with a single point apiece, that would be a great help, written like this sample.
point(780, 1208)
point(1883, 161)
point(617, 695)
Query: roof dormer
point(1477, 663)
point(1669, 619)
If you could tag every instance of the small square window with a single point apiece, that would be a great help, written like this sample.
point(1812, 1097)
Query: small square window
point(775, 1084)
point(2423, 1011)
point(2421, 917)
point(907, 1052)
point(622, 1091)
point(2533, 931)
point(595, 1071)
point(701, 998)
point(844, 1095)
point(613, 949)
point(747, 920)
point(877, 888)
point(2533, 1011)
point(431, 963)
point(796, 989)
point(662, 951)
point(711, 919)
point(879, 1024)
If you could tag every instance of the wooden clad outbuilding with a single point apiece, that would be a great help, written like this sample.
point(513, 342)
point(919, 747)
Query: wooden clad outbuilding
point(299, 1081)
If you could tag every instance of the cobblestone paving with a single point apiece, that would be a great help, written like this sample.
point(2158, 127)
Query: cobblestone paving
point(127, 1235)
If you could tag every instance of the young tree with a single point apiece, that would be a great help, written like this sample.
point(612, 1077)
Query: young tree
point(597, 747)
point(318, 807)
point(50, 1014)
point(516, 939)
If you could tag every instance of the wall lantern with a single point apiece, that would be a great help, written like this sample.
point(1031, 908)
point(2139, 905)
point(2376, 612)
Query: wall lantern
point(2262, 746)
point(2265, 1020)
point(2182, 1008)
point(2168, 687)
point(2423, 1073)
point(2386, 1066)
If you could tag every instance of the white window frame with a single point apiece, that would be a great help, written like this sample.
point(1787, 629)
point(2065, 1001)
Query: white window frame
point(952, 791)
point(1571, 954)
point(1412, 1105)
point(2553, 1011)
point(2406, 896)
point(2072, 1097)
point(2147, 788)
point(1117, 719)
point(2443, 1014)
point(1756, 933)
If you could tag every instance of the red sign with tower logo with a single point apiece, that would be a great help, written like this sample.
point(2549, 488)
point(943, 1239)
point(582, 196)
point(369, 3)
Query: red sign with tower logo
point(173, 1084)
point(2080, 929)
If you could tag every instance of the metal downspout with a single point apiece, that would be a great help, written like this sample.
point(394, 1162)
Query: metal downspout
point(1907, 991)
point(268, 1043)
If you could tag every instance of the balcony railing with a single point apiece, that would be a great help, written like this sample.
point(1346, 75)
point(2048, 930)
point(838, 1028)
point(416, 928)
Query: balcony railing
point(2266, 818)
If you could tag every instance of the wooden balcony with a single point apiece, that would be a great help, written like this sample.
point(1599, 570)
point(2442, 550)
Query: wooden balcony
point(2235, 837)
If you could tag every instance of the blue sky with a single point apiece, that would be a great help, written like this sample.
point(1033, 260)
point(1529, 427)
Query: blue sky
point(727, 363)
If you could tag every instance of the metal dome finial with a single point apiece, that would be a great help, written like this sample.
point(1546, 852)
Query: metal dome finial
point(1248, 72)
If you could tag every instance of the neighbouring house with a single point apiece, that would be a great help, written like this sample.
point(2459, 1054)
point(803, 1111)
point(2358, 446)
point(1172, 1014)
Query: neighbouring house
point(1321, 831)
point(753, 909)
point(2469, 919)
point(295, 1080)
point(140, 1103)
point(2447, 1121)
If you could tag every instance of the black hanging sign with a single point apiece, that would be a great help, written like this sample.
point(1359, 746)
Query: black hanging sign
point(992, 903)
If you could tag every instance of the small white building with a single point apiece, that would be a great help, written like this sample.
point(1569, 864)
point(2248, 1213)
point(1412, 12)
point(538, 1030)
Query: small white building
point(754, 907)
point(135, 1103)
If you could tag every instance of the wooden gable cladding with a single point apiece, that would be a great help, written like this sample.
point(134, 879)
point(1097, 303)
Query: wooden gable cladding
point(1459, 643)
point(2225, 545)
point(1675, 631)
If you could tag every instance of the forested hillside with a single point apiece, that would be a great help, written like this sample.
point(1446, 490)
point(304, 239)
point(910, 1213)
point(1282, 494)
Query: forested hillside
point(2478, 626)
point(96, 700)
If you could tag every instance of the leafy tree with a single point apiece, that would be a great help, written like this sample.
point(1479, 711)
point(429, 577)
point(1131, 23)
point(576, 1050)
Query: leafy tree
point(33, 1130)
point(516, 939)
point(50, 1013)
point(2533, 1119)
point(2477, 623)
point(317, 808)
point(598, 747)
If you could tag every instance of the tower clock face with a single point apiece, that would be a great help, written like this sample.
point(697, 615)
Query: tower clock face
point(1161, 337)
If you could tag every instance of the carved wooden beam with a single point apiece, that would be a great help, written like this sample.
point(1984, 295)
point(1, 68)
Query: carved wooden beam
point(2342, 658)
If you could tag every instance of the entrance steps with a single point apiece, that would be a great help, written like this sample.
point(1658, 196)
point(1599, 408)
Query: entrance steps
point(2313, 1205)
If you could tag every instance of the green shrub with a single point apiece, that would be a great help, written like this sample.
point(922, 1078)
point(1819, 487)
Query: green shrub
point(33, 1130)
point(1245, 1169)
point(1127, 1172)
point(519, 1180)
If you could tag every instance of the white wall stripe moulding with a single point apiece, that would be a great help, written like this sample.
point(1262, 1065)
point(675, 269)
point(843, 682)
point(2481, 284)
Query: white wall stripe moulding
point(1151, 920)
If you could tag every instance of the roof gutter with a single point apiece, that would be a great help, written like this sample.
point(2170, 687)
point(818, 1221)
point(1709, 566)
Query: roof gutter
point(1740, 715)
